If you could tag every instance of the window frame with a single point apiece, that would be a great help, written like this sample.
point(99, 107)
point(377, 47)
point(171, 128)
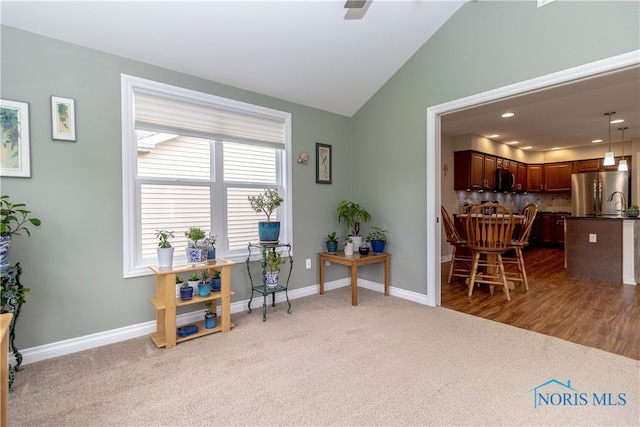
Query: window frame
point(133, 265)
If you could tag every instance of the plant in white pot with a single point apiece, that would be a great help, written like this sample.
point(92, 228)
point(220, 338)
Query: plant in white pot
point(14, 219)
point(272, 269)
point(351, 214)
point(267, 202)
point(348, 246)
point(195, 252)
point(165, 250)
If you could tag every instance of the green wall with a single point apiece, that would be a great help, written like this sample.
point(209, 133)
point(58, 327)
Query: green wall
point(73, 262)
point(483, 46)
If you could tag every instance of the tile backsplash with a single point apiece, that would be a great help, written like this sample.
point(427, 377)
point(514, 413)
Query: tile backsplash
point(515, 202)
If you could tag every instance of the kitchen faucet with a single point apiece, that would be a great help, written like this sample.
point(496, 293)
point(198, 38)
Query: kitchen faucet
point(623, 211)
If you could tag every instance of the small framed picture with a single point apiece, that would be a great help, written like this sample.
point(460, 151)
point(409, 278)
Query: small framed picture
point(63, 118)
point(323, 163)
point(14, 150)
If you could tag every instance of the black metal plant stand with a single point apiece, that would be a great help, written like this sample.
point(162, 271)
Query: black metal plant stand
point(11, 288)
point(263, 289)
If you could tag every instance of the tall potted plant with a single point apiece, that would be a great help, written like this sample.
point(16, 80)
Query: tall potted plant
point(351, 214)
point(164, 249)
point(267, 202)
point(14, 220)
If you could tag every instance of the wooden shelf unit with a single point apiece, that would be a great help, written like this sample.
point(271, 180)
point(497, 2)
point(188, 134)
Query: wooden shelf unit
point(166, 302)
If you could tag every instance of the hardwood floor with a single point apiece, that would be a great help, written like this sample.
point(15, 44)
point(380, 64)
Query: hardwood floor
point(593, 313)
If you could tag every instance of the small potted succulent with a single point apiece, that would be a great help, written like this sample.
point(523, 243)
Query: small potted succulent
point(210, 316)
point(267, 203)
point(186, 291)
point(348, 246)
point(165, 250)
point(204, 287)
point(195, 252)
point(210, 246)
point(332, 243)
point(363, 249)
point(633, 211)
point(378, 238)
point(193, 281)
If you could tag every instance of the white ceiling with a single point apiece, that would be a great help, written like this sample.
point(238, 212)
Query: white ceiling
point(310, 53)
point(301, 51)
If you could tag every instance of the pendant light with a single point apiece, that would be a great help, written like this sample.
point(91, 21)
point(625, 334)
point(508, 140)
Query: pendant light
point(609, 160)
point(622, 166)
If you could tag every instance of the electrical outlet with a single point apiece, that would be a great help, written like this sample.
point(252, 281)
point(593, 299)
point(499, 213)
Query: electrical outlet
point(327, 263)
point(308, 263)
point(593, 238)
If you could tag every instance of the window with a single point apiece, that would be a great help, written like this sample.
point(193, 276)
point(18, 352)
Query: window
point(190, 160)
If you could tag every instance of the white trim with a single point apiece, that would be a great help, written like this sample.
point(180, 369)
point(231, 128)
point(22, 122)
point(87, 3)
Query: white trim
point(433, 144)
point(628, 252)
point(62, 348)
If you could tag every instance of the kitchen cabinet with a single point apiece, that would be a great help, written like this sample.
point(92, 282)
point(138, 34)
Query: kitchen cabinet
point(473, 171)
point(521, 178)
point(557, 177)
point(584, 166)
point(534, 178)
point(551, 228)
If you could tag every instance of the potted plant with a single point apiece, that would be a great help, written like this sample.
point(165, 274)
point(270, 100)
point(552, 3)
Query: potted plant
point(332, 243)
point(363, 249)
point(633, 211)
point(14, 220)
point(210, 316)
point(179, 283)
point(210, 245)
point(194, 280)
point(272, 268)
point(348, 246)
point(186, 291)
point(204, 287)
point(351, 214)
point(378, 238)
point(216, 280)
point(195, 253)
point(267, 202)
point(165, 250)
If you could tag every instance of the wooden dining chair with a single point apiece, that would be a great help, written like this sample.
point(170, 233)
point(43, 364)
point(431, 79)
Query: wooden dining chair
point(453, 237)
point(489, 233)
point(519, 242)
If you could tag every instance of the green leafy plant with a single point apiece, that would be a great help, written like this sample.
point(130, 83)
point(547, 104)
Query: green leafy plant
point(195, 234)
point(11, 296)
point(331, 237)
point(163, 237)
point(351, 214)
point(194, 277)
point(15, 218)
point(179, 280)
point(266, 202)
point(210, 309)
point(377, 234)
point(204, 275)
point(347, 240)
point(215, 274)
point(634, 207)
point(274, 261)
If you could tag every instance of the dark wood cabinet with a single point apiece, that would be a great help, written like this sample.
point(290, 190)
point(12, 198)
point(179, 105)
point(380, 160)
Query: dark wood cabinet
point(473, 171)
point(557, 177)
point(550, 228)
point(521, 178)
point(534, 178)
point(584, 166)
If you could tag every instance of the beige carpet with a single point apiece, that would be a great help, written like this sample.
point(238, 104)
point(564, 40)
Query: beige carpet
point(386, 362)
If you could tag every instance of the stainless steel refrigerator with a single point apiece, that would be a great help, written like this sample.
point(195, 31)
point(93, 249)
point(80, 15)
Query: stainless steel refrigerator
point(590, 193)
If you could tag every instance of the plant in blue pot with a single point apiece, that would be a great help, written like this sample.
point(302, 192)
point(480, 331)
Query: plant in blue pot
point(267, 202)
point(210, 316)
point(195, 252)
point(216, 281)
point(186, 291)
point(332, 243)
point(633, 211)
point(378, 239)
point(204, 287)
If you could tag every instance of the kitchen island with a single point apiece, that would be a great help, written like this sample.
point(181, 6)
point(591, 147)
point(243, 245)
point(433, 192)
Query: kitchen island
point(604, 248)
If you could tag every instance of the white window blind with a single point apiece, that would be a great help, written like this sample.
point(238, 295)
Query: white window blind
point(203, 119)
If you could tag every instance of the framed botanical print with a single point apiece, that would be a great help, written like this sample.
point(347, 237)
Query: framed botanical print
point(14, 150)
point(323, 163)
point(63, 118)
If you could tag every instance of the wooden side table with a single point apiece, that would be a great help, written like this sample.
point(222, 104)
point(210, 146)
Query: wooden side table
point(354, 261)
point(5, 320)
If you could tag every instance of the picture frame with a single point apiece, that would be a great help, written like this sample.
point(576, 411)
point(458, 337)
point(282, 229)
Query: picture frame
point(63, 118)
point(323, 163)
point(15, 158)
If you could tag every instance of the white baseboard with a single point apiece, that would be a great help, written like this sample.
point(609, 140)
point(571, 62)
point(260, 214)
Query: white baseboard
point(73, 345)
